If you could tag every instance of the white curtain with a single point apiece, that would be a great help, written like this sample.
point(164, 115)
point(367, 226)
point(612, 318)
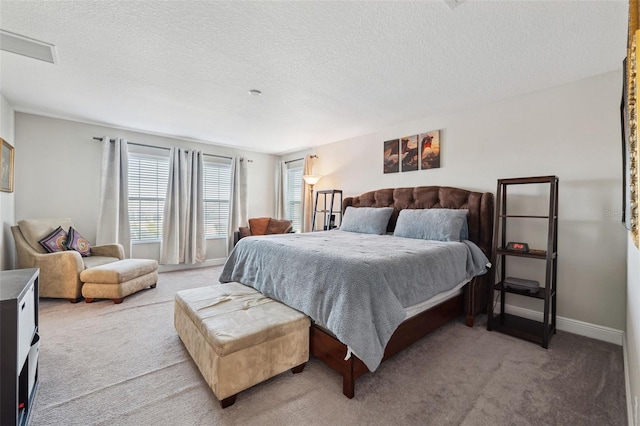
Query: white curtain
point(281, 190)
point(306, 198)
point(238, 215)
point(113, 212)
point(183, 238)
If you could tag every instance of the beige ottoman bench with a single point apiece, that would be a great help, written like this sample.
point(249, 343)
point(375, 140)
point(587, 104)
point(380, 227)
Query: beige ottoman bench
point(118, 280)
point(239, 337)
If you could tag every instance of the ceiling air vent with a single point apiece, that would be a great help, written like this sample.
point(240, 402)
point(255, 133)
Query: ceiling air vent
point(454, 3)
point(26, 46)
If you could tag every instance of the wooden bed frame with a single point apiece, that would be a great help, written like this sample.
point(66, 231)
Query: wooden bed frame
point(473, 300)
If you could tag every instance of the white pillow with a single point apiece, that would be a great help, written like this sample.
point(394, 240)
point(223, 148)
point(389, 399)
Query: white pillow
point(366, 220)
point(431, 224)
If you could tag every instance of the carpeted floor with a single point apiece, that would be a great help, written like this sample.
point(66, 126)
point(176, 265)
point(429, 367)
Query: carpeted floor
point(124, 364)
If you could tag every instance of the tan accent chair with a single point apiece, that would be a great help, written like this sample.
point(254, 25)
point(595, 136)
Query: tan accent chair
point(60, 271)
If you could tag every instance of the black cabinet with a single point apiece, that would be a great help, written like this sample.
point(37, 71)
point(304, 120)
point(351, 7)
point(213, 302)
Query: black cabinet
point(535, 331)
point(331, 214)
point(19, 341)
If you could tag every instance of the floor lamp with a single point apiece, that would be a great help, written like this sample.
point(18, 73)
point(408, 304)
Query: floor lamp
point(311, 180)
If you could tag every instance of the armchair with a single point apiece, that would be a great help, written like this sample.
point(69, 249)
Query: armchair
point(59, 271)
point(262, 226)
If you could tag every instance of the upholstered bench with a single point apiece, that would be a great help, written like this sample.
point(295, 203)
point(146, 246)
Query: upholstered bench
point(239, 337)
point(118, 280)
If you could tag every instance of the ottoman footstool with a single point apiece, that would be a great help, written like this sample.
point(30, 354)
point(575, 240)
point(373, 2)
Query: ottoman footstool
point(238, 337)
point(118, 280)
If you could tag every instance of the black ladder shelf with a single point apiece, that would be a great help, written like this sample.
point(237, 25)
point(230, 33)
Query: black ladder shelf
point(328, 210)
point(535, 331)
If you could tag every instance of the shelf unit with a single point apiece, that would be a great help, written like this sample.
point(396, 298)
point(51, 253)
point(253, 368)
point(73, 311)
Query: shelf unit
point(536, 331)
point(20, 343)
point(328, 210)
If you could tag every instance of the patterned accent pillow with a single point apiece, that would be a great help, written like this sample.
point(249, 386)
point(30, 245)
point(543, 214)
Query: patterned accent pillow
point(78, 243)
point(55, 241)
point(259, 225)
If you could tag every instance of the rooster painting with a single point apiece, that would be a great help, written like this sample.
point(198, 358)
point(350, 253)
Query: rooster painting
point(391, 156)
point(430, 150)
point(409, 153)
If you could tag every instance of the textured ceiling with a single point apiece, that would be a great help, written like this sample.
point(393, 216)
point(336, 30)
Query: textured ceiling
point(328, 70)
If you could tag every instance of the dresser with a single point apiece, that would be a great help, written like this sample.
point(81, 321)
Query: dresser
point(20, 343)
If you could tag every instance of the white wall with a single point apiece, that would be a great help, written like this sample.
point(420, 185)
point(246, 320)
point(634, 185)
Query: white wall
point(633, 330)
point(7, 199)
point(572, 131)
point(58, 174)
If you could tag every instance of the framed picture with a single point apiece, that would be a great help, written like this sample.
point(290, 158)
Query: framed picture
point(409, 153)
point(632, 148)
point(626, 160)
point(429, 150)
point(6, 163)
point(391, 156)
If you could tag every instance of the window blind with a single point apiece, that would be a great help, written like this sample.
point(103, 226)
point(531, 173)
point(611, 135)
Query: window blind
point(217, 191)
point(294, 194)
point(148, 178)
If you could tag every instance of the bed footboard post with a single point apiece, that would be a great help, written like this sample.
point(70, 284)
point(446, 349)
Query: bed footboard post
point(348, 380)
point(469, 320)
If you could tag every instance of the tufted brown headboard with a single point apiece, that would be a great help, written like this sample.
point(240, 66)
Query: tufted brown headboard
point(479, 218)
point(479, 204)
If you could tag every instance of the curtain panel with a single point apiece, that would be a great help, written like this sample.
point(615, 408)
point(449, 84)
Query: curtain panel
point(238, 215)
point(183, 239)
point(306, 197)
point(281, 190)
point(113, 210)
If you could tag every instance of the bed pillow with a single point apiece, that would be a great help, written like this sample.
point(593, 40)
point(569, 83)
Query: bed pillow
point(78, 243)
point(55, 241)
point(366, 220)
point(464, 232)
point(431, 224)
point(259, 225)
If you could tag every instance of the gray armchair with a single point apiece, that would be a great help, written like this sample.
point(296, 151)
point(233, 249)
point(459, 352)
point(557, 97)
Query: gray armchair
point(60, 271)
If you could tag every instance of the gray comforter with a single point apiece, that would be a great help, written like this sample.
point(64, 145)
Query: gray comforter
point(356, 285)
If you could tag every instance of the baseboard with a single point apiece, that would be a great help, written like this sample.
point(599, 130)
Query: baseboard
point(598, 332)
point(181, 267)
point(627, 385)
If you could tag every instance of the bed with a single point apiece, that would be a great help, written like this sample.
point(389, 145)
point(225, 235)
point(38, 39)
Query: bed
point(357, 287)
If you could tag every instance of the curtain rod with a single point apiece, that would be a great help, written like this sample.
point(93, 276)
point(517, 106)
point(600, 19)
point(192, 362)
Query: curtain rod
point(299, 159)
point(168, 149)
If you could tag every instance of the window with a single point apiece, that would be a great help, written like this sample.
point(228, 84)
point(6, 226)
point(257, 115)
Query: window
point(293, 197)
point(148, 177)
point(217, 191)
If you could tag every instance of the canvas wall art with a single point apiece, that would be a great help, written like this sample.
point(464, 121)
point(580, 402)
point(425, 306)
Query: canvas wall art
point(6, 166)
point(409, 153)
point(430, 150)
point(391, 156)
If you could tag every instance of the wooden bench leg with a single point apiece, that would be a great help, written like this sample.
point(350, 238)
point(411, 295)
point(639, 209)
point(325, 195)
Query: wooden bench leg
point(299, 368)
point(118, 300)
point(88, 300)
point(229, 401)
point(76, 300)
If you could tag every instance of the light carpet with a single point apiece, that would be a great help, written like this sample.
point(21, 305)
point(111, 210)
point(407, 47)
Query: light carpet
point(107, 364)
